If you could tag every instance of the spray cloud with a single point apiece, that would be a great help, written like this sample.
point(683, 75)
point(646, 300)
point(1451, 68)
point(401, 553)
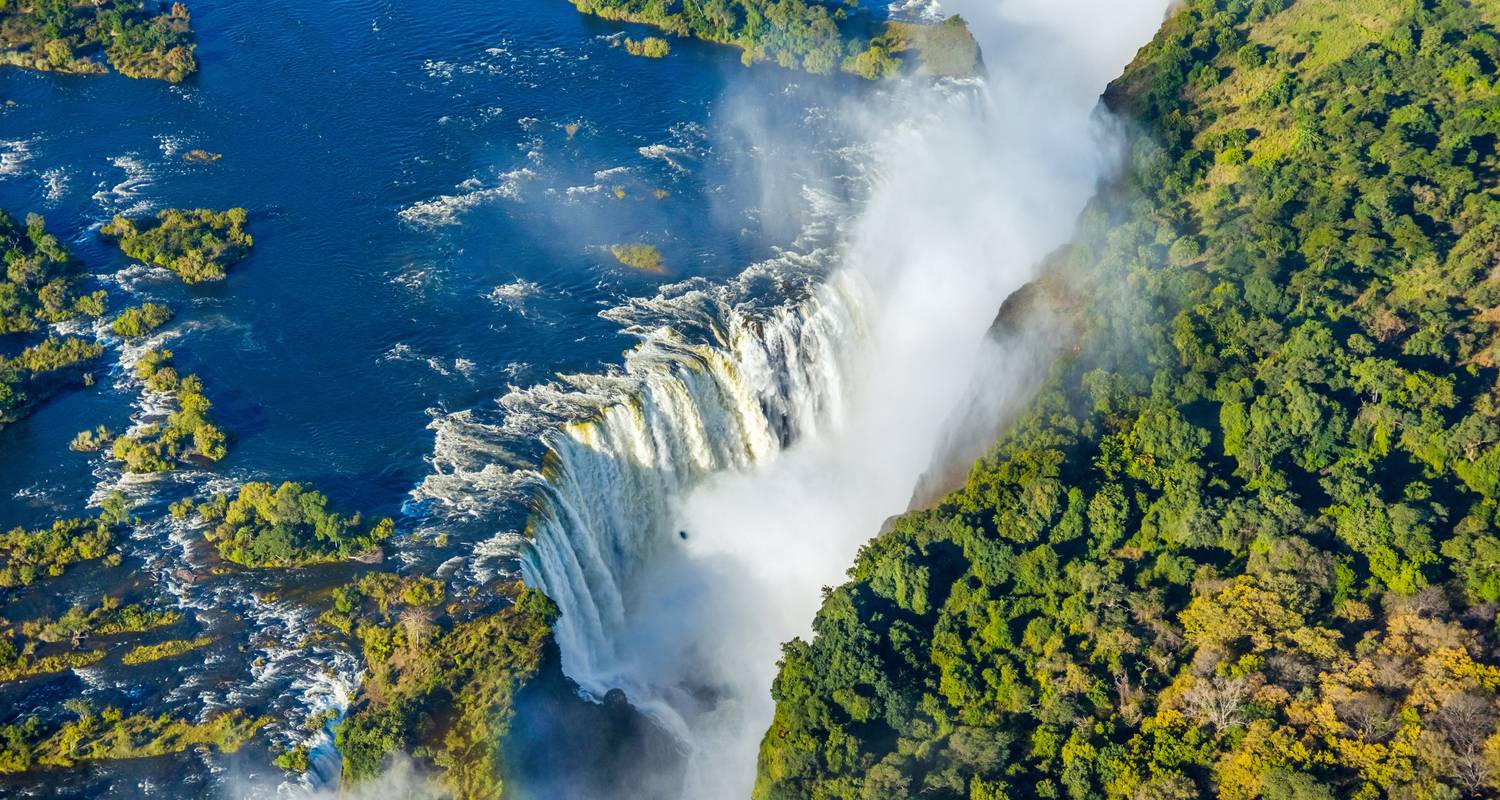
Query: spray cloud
point(970, 187)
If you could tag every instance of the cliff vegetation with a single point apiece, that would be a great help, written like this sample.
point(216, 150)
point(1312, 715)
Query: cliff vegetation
point(1243, 543)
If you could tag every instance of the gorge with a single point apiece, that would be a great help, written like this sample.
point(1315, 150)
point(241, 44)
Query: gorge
point(954, 401)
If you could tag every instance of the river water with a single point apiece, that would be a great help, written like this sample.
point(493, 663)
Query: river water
point(431, 327)
point(432, 188)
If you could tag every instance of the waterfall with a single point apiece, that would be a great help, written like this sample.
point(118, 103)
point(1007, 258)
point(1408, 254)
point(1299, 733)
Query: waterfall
point(691, 502)
point(612, 483)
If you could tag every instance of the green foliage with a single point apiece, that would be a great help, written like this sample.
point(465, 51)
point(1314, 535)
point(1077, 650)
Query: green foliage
point(197, 244)
point(26, 555)
point(19, 660)
point(643, 257)
point(445, 695)
point(39, 370)
point(171, 648)
point(813, 35)
point(109, 618)
point(1242, 542)
point(383, 591)
point(91, 441)
point(943, 49)
point(187, 432)
point(70, 35)
point(649, 47)
point(137, 321)
point(111, 735)
point(290, 525)
point(295, 759)
point(38, 288)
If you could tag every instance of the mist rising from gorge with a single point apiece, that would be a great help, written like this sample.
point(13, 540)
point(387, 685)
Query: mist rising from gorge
point(971, 186)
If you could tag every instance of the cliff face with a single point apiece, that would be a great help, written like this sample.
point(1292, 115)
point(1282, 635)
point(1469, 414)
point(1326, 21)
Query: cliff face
point(1242, 541)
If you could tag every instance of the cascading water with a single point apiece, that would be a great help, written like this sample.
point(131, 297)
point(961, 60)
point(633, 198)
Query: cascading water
point(692, 503)
point(664, 590)
point(612, 483)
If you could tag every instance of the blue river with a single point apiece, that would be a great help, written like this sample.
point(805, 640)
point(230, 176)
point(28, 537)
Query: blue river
point(432, 188)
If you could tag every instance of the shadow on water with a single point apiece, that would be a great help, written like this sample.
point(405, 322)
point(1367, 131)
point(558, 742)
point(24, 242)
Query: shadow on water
point(563, 745)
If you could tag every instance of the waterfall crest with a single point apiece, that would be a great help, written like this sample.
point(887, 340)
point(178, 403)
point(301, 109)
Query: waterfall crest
point(690, 503)
point(607, 504)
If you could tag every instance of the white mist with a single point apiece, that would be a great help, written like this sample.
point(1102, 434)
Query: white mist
point(971, 189)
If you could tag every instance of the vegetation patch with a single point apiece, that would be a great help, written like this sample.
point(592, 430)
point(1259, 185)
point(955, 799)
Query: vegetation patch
point(285, 526)
point(27, 555)
point(138, 321)
point(198, 244)
point(109, 618)
point(383, 591)
point(445, 695)
point(1243, 542)
point(945, 49)
point(172, 648)
point(818, 37)
point(643, 257)
point(19, 660)
point(295, 759)
point(649, 47)
point(109, 735)
point(39, 288)
point(78, 37)
point(187, 432)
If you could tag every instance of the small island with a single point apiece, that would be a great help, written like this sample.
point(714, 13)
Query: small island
point(38, 287)
point(197, 244)
point(109, 618)
point(138, 321)
point(817, 37)
point(171, 648)
point(286, 526)
point(82, 37)
point(188, 431)
point(40, 370)
point(27, 555)
point(643, 257)
point(649, 47)
point(20, 656)
point(19, 660)
point(110, 734)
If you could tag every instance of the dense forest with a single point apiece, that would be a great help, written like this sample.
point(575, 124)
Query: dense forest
point(71, 35)
point(1242, 544)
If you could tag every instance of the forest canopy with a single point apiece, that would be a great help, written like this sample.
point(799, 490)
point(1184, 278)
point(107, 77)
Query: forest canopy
point(1242, 544)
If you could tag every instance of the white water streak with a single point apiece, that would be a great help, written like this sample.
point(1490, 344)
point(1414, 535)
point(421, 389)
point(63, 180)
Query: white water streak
point(681, 545)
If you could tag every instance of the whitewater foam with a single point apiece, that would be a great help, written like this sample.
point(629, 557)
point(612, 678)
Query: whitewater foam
point(127, 196)
point(449, 209)
point(14, 154)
